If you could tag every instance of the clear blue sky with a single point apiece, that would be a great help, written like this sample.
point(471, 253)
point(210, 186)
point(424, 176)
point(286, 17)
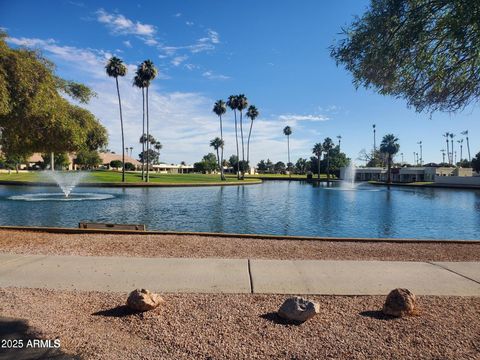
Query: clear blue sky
point(276, 52)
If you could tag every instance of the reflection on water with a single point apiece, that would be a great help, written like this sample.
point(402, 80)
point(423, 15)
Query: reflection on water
point(275, 207)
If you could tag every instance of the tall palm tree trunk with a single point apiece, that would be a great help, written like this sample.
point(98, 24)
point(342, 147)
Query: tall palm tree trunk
point(243, 149)
point(52, 161)
point(318, 163)
point(236, 140)
point(389, 179)
point(468, 148)
point(218, 161)
point(328, 167)
point(121, 125)
point(222, 175)
point(288, 164)
point(453, 161)
point(143, 133)
point(248, 142)
point(148, 141)
point(448, 152)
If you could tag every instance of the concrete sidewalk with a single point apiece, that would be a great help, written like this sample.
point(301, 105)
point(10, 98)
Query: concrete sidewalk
point(209, 275)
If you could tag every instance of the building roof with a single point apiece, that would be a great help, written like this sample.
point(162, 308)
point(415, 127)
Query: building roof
point(108, 157)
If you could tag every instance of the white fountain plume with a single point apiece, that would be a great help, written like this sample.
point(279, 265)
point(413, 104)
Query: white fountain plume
point(66, 180)
point(349, 177)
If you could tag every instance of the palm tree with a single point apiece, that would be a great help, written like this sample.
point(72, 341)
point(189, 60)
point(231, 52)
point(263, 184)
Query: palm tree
point(147, 72)
point(139, 82)
point(252, 114)
point(452, 135)
point(116, 68)
point(287, 130)
point(232, 103)
point(327, 147)
point(242, 105)
point(446, 135)
point(220, 108)
point(217, 143)
point(461, 148)
point(468, 144)
point(339, 137)
point(389, 146)
point(317, 151)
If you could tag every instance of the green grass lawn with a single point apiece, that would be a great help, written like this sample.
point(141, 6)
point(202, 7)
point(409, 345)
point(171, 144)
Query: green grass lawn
point(131, 177)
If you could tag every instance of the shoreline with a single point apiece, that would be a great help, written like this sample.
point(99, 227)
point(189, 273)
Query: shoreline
point(422, 185)
point(131, 244)
point(107, 231)
point(131, 184)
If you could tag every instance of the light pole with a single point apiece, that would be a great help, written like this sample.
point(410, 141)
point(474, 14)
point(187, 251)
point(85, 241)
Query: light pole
point(339, 137)
point(374, 141)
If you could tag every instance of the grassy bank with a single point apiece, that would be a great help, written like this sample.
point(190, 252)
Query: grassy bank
point(130, 177)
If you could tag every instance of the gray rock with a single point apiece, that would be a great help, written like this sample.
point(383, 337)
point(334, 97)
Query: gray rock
point(143, 300)
point(399, 302)
point(297, 309)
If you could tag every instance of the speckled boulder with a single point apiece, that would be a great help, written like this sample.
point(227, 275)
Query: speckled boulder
point(297, 309)
point(399, 302)
point(143, 300)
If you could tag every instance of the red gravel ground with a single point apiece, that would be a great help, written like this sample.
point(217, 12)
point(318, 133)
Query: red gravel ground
point(24, 242)
point(96, 325)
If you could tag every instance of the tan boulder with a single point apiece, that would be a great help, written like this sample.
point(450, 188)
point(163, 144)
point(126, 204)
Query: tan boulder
point(143, 300)
point(399, 302)
point(298, 309)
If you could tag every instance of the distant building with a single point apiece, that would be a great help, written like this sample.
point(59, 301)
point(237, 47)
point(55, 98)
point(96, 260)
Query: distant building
point(172, 168)
point(407, 174)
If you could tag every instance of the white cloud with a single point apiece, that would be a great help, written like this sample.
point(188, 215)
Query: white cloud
point(206, 43)
point(121, 25)
point(182, 121)
point(212, 76)
point(189, 23)
point(296, 118)
point(177, 60)
point(127, 43)
point(177, 15)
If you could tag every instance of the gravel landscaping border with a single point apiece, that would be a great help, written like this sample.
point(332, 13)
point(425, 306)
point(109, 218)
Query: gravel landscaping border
point(97, 325)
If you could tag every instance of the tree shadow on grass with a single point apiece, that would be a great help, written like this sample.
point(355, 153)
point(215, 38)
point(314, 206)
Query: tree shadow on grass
point(377, 314)
point(118, 311)
point(275, 318)
point(14, 330)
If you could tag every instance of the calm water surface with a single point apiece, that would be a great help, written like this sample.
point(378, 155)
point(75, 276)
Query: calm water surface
point(274, 207)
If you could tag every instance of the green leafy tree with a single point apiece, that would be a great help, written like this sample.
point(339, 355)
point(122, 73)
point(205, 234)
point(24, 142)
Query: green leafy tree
point(262, 167)
point(220, 108)
point(280, 167)
point(151, 154)
point(476, 163)
point(34, 117)
point(115, 68)
point(88, 159)
point(389, 146)
point(235, 164)
point(301, 166)
point(129, 166)
point(116, 164)
point(423, 51)
point(207, 165)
